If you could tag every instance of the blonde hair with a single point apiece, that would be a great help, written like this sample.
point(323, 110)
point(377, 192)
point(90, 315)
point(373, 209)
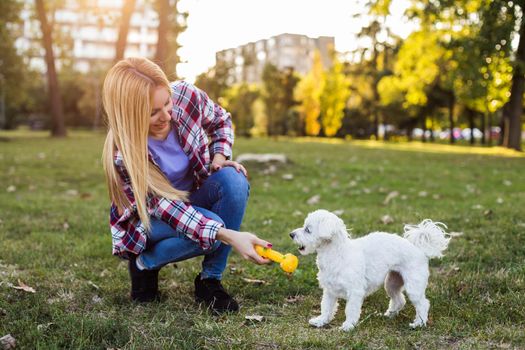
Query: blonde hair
point(127, 98)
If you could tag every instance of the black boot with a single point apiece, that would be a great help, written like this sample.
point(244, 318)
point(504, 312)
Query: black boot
point(211, 292)
point(144, 283)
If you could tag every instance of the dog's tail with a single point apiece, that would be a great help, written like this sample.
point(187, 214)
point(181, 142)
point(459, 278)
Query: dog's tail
point(428, 236)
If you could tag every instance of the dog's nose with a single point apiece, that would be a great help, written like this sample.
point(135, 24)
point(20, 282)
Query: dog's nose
point(292, 235)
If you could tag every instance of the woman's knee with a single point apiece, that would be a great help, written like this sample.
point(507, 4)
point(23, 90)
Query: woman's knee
point(233, 183)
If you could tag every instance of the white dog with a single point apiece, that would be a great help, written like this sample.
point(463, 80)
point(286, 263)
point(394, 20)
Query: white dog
point(352, 269)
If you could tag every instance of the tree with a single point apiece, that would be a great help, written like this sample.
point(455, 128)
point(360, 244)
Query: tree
point(333, 98)
point(308, 93)
point(14, 75)
point(58, 128)
point(128, 6)
point(239, 101)
point(172, 22)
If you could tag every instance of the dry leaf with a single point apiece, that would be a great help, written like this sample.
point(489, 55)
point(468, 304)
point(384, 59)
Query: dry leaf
point(43, 326)
point(422, 194)
point(24, 287)
point(387, 219)
point(96, 299)
point(7, 342)
point(93, 285)
point(338, 212)
point(314, 200)
point(267, 222)
point(72, 192)
point(287, 176)
point(85, 195)
point(65, 226)
point(488, 212)
point(366, 190)
point(507, 183)
point(257, 318)
point(254, 281)
point(352, 183)
point(41, 155)
point(11, 189)
point(455, 234)
point(294, 298)
point(390, 196)
point(436, 196)
point(297, 213)
point(499, 200)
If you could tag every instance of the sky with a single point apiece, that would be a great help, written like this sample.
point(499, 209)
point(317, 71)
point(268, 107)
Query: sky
point(215, 25)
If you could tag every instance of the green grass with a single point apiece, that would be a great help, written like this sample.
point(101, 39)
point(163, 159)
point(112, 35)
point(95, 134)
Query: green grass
point(54, 237)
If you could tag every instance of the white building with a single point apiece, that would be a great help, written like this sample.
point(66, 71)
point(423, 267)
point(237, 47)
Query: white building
point(91, 32)
point(284, 51)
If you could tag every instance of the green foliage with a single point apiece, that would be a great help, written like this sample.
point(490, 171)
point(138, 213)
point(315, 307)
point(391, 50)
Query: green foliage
point(239, 101)
point(278, 97)
point(15, 77)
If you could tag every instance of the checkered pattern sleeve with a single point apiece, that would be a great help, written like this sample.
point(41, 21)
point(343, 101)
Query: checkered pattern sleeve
point(218, 124)
point(186, 219)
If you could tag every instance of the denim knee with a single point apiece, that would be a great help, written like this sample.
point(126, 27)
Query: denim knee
point(233, 183)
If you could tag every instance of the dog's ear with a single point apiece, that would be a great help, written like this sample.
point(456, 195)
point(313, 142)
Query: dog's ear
point(331, 227)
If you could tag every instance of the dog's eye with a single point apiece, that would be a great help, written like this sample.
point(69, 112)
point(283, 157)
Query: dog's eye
point(307, 230)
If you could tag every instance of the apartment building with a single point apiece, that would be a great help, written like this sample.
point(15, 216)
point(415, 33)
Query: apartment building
point(90, 30)
point(284, 51)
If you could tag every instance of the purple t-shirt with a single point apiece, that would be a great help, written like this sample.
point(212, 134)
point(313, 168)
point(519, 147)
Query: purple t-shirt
point(172, 160)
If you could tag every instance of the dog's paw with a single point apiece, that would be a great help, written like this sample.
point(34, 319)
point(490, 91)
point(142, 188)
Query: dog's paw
point(417, 324)
point(318, 321)
point(347, 326)
point(391, 314)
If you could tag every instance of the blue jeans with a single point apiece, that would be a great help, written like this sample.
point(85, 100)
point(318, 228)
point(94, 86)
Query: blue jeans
point(223, 198)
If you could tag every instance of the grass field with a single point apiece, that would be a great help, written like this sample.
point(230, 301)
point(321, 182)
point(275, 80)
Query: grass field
point(54, 238)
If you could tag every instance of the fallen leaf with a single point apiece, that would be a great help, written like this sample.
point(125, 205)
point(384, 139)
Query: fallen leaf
point(72, 193)
point(65, 226)
point(390, 196)
point(455, 234)
point(366, 190)
point(507, 183)
point(338, 212)
point(422, 194)
point(96, 299)
point(499, 200)
point(293, 299)
point(387, 219)
point(41, 155)
point(436, 196)
point(267, 222)
point(352, 183)
point(257, 318)
point(297, 213)
point(85, 195)
point(24, 287)
point(7, 342)
point(287, 177)
point(488, 212)
point(93, 285)
point(314, 200)
point(42, 327)
point(477, 206)
point(254, 281)
point(11, 189)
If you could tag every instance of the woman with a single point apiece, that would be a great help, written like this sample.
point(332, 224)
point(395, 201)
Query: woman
point(158, 159)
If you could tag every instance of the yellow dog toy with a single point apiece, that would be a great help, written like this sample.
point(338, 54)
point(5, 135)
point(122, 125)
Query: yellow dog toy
point(288, 262)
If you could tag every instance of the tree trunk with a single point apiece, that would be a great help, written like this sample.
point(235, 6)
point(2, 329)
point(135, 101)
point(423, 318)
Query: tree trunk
point(512, 139)
point(451, 103)
point(161, 55)
point(127, 10)
point(483, 128)
point(489, 127)
point(471, 125)
point(58, 128)
point(424, 127)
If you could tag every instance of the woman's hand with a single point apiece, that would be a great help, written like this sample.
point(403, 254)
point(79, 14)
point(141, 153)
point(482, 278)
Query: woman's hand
point(244, 243)
point(220, 161)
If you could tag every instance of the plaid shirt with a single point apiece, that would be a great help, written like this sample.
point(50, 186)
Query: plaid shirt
point(195, 118)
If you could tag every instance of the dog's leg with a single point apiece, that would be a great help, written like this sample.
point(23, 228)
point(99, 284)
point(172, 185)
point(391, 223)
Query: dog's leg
point(415, 288)
point(394, 289)
point(352, 311)
point(328, 310)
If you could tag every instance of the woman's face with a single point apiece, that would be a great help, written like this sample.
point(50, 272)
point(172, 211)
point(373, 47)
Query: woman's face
point(161, 112)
